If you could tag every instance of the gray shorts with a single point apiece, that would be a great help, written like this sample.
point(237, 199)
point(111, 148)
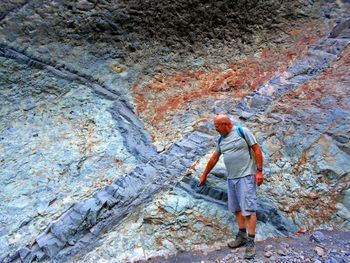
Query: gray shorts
point(241, 194)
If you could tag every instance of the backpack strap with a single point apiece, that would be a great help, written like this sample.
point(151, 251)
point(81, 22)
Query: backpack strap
point(220, 139)
point(240, 132)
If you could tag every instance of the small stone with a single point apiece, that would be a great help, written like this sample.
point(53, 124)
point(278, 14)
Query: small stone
point(117, 68)
point(331, 260)
point(246, 115)
point(284, 245)
point(317, 237)
point(72, 242)
point(268, 254)
point(319, 251)
point(281, 252)
point(268, 248)
point(84, 5)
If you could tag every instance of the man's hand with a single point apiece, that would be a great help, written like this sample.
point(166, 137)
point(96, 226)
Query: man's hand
point(202, 180)
point(259, 178)
point(210, 165)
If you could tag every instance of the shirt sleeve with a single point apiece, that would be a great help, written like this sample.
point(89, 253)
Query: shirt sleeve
point(250, 138)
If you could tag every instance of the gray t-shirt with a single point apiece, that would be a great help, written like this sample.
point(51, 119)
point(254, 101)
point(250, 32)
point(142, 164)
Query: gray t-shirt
point(237, 159)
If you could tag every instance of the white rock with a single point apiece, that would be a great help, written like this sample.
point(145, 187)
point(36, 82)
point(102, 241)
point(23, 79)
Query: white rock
point(268, 254)
point(319, 251)
point(268, 248)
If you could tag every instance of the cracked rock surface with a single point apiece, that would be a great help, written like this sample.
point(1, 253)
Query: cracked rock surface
point(54, 134)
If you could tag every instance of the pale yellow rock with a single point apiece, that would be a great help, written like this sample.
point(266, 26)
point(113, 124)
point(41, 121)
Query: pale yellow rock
point(117, 68)
point(15, 238)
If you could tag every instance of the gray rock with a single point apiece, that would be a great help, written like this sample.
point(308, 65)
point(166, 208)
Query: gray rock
point(84, 5)
point(50, 244)
point(317, 237)
point(346, 200)
point(260, 102)
point(268, 248)
point(219, 172)
point(268, 254)
point(332, 260)
point(23, 252)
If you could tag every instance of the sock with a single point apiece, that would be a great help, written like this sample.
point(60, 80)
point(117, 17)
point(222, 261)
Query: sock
point(251, 236)
point(243, 231)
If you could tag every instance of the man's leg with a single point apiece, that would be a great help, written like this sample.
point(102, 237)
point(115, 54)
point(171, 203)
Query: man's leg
point(241, 220)
point(247, 199)
point(251, 224)
point(241, 236)
point(233, 206)
point(250, 244)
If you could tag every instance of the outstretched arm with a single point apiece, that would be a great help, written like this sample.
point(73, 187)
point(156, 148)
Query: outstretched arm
point(259, 177)
point(210, 165)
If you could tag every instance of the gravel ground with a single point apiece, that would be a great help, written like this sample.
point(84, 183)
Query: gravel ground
point(319, 246)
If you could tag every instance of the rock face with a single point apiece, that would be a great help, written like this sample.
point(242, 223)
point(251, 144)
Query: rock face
point(105, 122)
point(56, 133)
point(177, 221)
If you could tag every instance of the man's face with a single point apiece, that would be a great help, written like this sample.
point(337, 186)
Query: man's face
point(222, 127)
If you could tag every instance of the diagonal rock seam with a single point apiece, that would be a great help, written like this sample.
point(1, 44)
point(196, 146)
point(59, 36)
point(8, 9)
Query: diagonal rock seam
point(86, 220)
point(136, 140)
point(73, 75)
point(317, 59)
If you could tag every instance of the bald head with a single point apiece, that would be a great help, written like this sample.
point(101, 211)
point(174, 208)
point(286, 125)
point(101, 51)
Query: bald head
point(222, 118)
point(223, 124)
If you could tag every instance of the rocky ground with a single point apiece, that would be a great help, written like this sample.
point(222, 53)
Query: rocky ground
point(319, 246)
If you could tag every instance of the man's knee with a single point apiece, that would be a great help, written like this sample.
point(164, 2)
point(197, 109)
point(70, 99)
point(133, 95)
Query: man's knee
point(249, 215)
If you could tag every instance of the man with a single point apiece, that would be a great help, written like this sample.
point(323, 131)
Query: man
point(243, 173)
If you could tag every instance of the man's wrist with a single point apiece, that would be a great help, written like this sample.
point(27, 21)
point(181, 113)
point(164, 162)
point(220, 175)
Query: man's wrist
point(259, 169)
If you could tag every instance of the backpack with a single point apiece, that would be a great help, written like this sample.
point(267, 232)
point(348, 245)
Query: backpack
point(240, 132)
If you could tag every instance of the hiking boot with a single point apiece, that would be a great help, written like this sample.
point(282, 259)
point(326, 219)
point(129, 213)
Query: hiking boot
point(239, 240)
point(250, 248)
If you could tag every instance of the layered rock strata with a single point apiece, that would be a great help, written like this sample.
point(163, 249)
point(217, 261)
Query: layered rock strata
point(86, 220)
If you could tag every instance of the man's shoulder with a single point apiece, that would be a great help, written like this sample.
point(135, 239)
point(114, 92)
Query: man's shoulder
point(249, 136)
point(246, 130)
